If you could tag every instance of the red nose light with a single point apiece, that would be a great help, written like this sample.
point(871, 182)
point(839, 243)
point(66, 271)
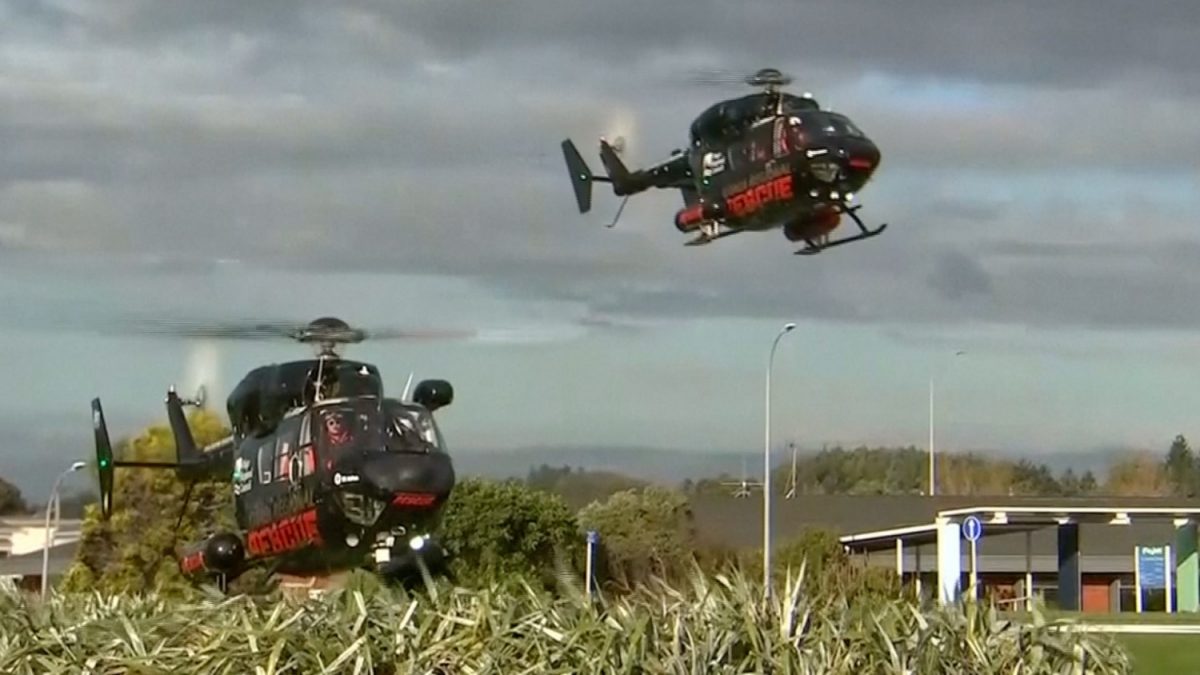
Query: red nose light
point(861, 163)
point(410, 499)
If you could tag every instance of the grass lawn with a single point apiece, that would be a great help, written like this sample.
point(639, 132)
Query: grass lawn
point(1152, 654)
point(1163, 654)
point(1121, 617)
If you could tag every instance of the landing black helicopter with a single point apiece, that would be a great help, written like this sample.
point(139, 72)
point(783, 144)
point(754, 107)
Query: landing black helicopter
point(758, 162)
point(325, 468)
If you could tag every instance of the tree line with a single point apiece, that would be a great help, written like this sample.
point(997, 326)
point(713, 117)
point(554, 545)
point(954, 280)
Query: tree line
point(905, 470)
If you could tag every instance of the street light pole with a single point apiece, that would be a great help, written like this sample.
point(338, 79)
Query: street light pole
point(932, 474)
point(53, 503)
point(767, 469)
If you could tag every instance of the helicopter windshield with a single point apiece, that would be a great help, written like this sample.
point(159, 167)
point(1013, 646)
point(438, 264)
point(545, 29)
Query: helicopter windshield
point(820, 123)
point(411, 429)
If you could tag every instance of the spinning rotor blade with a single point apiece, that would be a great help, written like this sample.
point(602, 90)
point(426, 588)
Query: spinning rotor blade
point(321, 331)
point(763, 77)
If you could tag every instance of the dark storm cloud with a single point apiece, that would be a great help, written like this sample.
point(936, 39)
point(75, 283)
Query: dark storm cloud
point(1077, 42)
point(421, 137)
point(958, 276)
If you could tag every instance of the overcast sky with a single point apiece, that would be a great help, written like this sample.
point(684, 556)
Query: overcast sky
point(397, 164)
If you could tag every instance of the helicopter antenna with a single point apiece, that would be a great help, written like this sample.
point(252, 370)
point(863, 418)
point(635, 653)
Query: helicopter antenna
point(407, 386)
point(318, 395)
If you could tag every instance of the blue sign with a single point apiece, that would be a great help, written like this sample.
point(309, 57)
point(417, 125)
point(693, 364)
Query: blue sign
point(972, 528)
point(1152, 566)
point(593, 537)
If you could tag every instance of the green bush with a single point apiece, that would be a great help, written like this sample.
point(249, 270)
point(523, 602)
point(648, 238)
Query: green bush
point(495, 530)
point(644, 533)
point(827, 568)
point(717, 625)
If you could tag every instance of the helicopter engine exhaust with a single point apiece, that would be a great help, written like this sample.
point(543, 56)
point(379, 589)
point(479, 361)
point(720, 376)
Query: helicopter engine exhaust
point(691, 217)
point(222, 553)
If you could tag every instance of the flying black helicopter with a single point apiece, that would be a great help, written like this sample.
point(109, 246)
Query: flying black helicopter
point(758, 162)
point(325, 468)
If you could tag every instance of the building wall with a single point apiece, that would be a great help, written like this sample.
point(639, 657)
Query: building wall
point(30, 539)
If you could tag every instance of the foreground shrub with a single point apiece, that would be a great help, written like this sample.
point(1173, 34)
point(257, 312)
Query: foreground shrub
point(644, 533)
point(719, 625)
point(496, 530)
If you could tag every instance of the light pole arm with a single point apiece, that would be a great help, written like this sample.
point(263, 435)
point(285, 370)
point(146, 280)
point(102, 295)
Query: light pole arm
point(767, 466)
point(54, 504)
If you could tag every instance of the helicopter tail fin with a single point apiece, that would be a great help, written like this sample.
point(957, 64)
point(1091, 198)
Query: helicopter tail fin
point(581, 176)
point(185, 444)
point(618, 173)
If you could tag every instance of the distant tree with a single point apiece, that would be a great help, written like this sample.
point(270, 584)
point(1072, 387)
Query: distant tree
point(1034, 480)
point(74, 504)
point(11, 501)
point(1180, 468)
point(644, 532)
point(546, 477)
point(1137, 474)
point(580, 487)
point(1087, 484)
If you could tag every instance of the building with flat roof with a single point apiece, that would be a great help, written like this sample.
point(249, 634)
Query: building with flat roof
point(1077, 553)
point(22, 541)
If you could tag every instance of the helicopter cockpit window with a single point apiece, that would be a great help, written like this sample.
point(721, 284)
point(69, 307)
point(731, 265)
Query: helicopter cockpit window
point(339, 429)
point(412, 429)
point(823, 123)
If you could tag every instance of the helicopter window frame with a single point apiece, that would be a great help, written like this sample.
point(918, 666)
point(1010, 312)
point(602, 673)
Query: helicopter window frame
point(781, 141)
point(305, 439)
point(293, 461)
point(266, 462)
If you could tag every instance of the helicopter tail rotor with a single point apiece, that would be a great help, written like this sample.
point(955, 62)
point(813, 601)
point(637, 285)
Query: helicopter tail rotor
point(104, 458)
point(581, 176)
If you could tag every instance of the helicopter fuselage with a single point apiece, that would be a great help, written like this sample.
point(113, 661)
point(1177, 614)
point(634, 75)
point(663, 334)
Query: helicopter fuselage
point(336, 480)
point(324, 468)
point(320, 484)
point(793, 170)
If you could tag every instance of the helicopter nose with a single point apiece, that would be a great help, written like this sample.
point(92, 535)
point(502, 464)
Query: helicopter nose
point(393, 475)
point(861, 157)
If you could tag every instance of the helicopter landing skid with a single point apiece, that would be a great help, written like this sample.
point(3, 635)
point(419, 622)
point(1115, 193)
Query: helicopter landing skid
point(705, 237)
point(814, 248)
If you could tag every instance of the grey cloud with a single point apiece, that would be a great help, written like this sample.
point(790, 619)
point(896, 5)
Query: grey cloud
point(422, 138)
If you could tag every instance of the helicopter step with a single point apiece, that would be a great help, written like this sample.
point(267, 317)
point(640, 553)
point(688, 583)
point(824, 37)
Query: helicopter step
point(814, 248)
